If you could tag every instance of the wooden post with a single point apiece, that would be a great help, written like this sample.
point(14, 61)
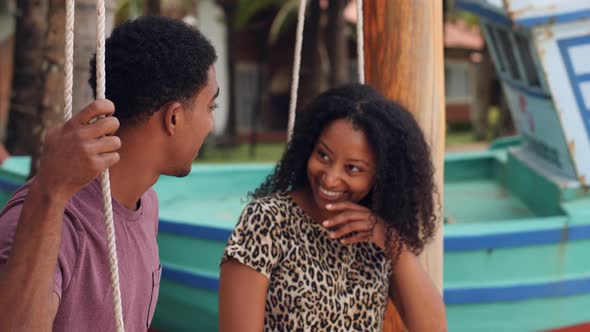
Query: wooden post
point(404, 60)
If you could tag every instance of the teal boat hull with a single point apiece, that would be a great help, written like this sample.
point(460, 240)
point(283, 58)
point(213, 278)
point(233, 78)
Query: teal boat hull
point(516, 243)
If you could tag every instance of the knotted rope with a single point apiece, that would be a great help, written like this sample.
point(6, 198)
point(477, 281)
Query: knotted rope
point(104, 177)
point(296, 67)
point(297, 58)
point(360, 41)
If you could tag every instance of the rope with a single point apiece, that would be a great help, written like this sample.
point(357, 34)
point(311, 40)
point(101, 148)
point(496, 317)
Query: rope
point(297, 58)
point(104, 177)
point(296, 67)
point(69, 58)
point(360, 41)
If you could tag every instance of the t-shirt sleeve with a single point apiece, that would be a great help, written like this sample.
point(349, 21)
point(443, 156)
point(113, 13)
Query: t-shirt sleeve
point(256, 239)
point(8, 221)
point(68, 252)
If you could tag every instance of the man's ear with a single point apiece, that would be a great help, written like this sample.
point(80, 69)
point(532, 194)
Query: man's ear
point(171, 116)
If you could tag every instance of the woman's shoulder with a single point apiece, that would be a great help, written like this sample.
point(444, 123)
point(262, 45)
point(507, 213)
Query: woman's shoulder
point(275, 204)
point(275, 210)
point(260, 239)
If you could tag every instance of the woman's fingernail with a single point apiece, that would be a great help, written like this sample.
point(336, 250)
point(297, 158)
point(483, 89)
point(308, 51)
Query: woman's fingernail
point(328, 206)
point(332, 235)
point(326, 223)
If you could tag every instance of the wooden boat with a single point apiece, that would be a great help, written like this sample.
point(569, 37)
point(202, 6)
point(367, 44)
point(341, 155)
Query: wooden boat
point(524, 266)
point(515, 244)
point(517, 216)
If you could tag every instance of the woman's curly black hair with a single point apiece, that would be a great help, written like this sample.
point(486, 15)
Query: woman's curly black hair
point(403, 194)
point(150, 62)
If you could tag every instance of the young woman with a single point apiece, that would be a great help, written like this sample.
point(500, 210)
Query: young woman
point(335, 228)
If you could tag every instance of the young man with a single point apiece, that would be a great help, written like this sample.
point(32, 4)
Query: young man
point(54, 272)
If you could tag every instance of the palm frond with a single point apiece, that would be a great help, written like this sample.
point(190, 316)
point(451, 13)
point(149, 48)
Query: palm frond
point(248, 8)
point(285, 13)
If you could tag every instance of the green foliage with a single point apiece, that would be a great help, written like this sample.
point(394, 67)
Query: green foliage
point(460, 137)
point(470, 18)
point(128, 9)
point(249, 8)
point(494, 123)
point(132, 9)
point(286, 14)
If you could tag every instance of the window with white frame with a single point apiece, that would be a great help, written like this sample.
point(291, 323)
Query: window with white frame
point(458, 82)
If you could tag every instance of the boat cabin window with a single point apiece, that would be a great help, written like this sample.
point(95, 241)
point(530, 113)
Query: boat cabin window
point(507, 48)
point(530, 70)
point(493, 44)
point(513, 55)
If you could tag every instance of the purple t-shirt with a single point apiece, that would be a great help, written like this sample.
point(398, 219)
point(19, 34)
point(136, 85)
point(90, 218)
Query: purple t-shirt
point(82, 278)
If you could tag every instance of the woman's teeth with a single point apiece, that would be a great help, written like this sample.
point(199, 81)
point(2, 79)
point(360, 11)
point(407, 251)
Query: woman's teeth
point(330, 193)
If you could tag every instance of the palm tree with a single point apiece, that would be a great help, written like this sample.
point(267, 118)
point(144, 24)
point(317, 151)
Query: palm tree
point(244, 12)
point(336, 43)
point(37, 86)
point(131, 9)
point(230, 8)
point(34, 62)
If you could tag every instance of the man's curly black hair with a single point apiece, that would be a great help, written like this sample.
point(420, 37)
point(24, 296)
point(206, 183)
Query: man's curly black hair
point(150, 62)
point(403, 194)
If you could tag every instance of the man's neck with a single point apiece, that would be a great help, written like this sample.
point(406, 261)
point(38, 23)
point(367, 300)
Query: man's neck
point(135, 172)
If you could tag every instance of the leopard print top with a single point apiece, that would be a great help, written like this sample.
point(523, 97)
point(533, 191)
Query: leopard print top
point(315, 283)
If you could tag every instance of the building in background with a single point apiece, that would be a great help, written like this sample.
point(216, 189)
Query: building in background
point(464, 48)
point(262, 70)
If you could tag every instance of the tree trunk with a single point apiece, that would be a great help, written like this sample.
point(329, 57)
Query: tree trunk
point(52, 104)
point(404, 60)
point(311, 76)
point(37, 101)
point(38, 75)
point(22, 137)
point(152, 7)
point(337, 43)
point(231, 128)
